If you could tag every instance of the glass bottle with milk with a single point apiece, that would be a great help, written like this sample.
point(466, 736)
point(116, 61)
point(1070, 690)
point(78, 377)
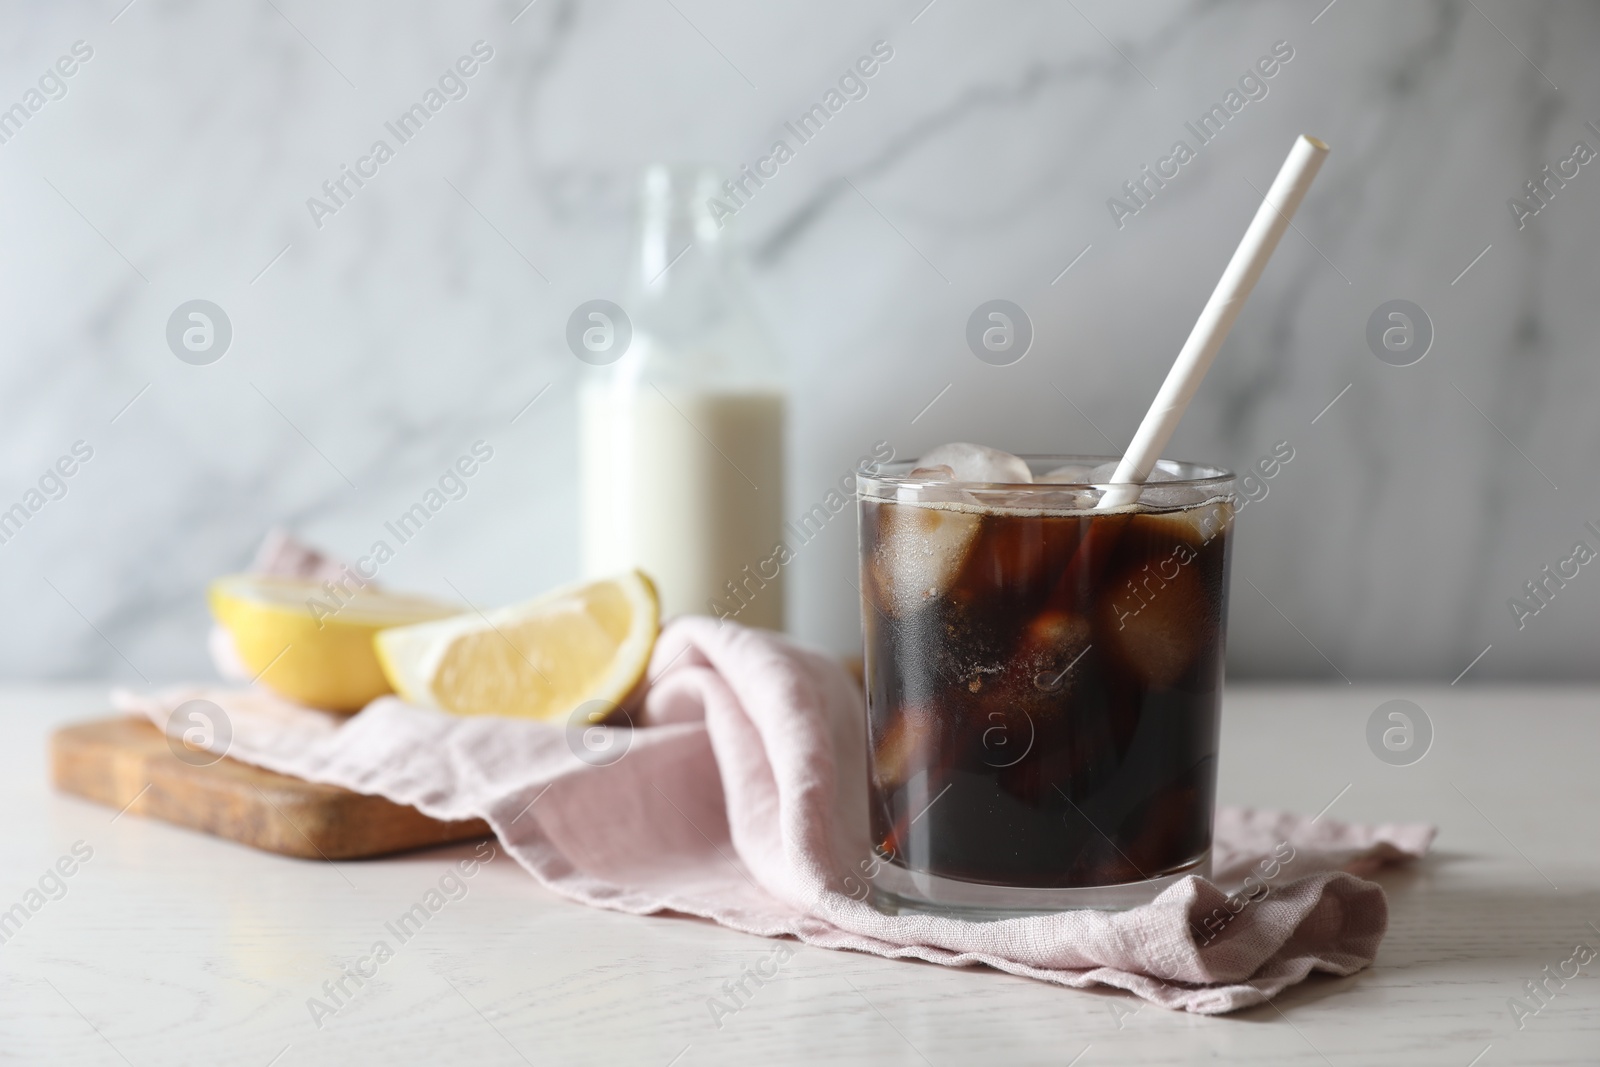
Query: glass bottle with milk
point(682, 437)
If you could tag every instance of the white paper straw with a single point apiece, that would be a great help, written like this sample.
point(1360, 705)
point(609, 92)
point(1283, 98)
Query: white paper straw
point(1216, 319)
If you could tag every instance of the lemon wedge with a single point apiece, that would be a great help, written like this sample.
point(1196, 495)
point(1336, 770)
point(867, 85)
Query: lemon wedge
point(309, 646)
point(538, 660)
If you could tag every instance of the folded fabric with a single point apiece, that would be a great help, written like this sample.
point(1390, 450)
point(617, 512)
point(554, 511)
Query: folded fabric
point(740, 796)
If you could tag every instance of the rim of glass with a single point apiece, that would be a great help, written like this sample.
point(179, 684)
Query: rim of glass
point(1188, 475)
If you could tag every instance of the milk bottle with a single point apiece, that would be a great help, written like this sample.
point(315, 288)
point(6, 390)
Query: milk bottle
point(683, 437)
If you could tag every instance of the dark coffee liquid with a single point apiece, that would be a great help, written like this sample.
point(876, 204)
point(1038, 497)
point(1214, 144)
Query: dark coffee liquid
point(1043, 690)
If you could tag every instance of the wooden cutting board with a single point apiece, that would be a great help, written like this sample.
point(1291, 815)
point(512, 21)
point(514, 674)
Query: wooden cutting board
point(125, 762)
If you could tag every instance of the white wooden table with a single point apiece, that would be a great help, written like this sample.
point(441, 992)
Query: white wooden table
point(169, 947)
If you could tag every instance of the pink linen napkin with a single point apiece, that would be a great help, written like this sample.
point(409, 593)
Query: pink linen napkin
point(740, 797)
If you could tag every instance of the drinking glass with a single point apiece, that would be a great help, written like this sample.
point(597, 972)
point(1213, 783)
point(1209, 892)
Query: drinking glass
point(1043, 685)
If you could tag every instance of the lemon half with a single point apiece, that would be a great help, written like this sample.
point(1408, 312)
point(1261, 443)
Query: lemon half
point(537, 660)
point(310, 645)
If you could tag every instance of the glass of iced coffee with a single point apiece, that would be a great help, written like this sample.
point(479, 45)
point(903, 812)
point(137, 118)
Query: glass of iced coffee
point(1044, 676)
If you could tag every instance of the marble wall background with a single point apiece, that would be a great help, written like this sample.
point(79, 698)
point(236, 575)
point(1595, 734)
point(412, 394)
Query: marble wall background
point(430, 310)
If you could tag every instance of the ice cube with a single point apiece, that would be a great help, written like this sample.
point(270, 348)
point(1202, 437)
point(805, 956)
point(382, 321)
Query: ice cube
point(1164, 830)
point(1163, 471)
point(941, 475)
point(1071, 474)
point(1157, 616)
point(905, 746)
point(1053, 644)
point(977, 463)
point(918, 554)
point(1101, 475)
